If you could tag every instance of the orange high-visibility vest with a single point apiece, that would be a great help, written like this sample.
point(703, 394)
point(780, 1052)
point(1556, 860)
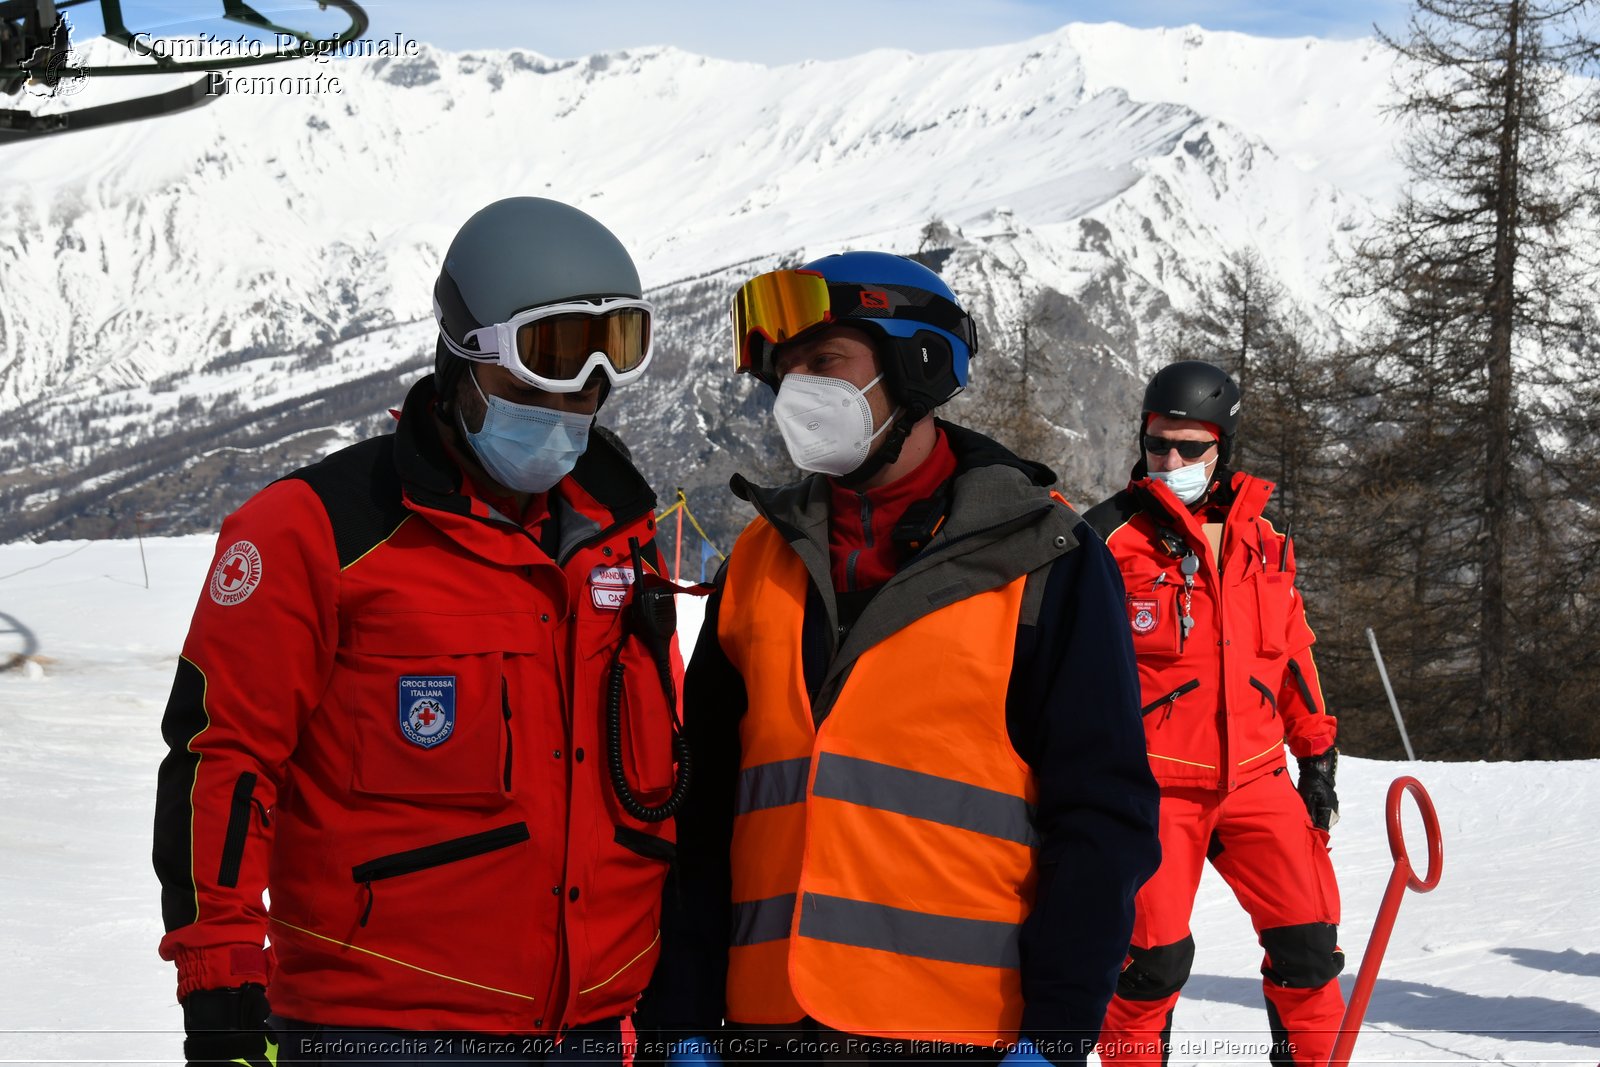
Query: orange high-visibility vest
point(882, 864)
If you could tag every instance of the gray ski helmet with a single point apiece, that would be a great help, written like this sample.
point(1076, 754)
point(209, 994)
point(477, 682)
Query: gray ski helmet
point(1194, 389)
point(520, 253)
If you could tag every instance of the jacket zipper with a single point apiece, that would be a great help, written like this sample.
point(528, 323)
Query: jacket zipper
point(505, 710)
point(437, 855)
point(1305, 688)
point(1265, 692)
point(238, 829)
point(855, 554)
point(1171, 698)
point(643, 844)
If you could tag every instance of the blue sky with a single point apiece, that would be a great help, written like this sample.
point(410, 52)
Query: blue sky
point(782, 32)
point(829, 29)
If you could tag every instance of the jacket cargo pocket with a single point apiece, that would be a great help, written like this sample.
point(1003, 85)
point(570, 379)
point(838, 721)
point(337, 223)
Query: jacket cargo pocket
point(426, 698)
point(438, 854)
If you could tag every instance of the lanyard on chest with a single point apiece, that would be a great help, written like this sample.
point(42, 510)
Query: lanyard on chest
point(1188, 566)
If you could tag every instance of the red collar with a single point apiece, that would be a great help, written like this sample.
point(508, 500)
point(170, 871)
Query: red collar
point(861, 551)
point(532, 515)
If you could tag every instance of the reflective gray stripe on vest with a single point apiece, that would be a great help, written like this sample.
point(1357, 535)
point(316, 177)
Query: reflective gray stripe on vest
point(910, 933)
point(925, 796)
point(772, 785)
point(755, 921)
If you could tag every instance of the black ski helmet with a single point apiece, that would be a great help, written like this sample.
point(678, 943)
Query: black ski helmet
point(1194, 389)
point(520, 253)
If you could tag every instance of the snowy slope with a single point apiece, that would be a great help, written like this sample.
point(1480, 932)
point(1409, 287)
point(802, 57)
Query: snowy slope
point(1316, 103)
point(1497, 965)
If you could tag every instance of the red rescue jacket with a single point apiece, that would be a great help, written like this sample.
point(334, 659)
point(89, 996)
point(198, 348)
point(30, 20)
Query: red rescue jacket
point(1219, 702)
point(389, 714)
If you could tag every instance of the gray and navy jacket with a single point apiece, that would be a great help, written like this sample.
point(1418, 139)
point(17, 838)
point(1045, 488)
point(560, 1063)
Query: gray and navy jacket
point(1072, 713)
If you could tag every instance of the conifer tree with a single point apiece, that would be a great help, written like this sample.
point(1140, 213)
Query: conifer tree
point(1481, 290)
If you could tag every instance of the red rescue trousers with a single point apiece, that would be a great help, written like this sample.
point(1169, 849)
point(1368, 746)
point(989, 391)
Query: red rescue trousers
point(1261, 841)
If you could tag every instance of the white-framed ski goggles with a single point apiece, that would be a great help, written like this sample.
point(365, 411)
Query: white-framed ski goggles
point(558, 346)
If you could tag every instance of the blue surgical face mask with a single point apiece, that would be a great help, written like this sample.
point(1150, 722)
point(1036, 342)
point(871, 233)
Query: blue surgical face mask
point(1188, 483)
point(524, 447)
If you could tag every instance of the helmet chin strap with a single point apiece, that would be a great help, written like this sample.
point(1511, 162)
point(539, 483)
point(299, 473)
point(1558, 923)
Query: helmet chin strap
point(894, 440)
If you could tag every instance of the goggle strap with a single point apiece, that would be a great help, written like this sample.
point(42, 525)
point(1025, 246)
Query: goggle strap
point(473, 354)
point(449, 307)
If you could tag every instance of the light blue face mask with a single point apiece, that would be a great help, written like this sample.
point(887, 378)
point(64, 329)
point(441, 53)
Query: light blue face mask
point(1188, 483)
point(524, 447)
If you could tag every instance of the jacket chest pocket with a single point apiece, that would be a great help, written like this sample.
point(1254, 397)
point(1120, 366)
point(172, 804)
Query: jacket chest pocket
point(429, 704)
point(645, 720)
point(1274, 599)
point(1153, 612)
point(644, 698)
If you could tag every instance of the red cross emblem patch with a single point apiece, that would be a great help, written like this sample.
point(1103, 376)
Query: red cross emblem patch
point(236, 575)
point(427, 709)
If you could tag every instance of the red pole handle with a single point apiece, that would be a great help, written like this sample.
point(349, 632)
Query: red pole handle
point(1401, 878)
point(1430, 830)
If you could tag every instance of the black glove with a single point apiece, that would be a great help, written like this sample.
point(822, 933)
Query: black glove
point(1316, 788)
point(228, 1026)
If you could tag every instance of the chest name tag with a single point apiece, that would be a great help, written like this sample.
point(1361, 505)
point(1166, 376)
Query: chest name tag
point(608, 586)
point(1144, 613)
point(427, 708)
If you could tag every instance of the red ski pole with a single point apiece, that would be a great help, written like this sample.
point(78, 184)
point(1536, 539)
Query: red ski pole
point(1400, 879)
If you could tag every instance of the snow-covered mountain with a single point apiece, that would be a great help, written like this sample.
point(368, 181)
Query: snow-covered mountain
point(191, 305)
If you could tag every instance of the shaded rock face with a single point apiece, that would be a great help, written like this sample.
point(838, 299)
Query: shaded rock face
point(691, 422)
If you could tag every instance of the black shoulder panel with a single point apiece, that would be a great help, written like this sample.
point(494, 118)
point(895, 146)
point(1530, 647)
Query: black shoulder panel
point(1112, 512)
point(360, 489)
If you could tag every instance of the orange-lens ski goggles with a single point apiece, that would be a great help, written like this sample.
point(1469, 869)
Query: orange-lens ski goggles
point(773, 308)
point(558, 346)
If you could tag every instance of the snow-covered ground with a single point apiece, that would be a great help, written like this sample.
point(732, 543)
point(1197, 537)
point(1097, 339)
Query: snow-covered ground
point(1499, 964)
